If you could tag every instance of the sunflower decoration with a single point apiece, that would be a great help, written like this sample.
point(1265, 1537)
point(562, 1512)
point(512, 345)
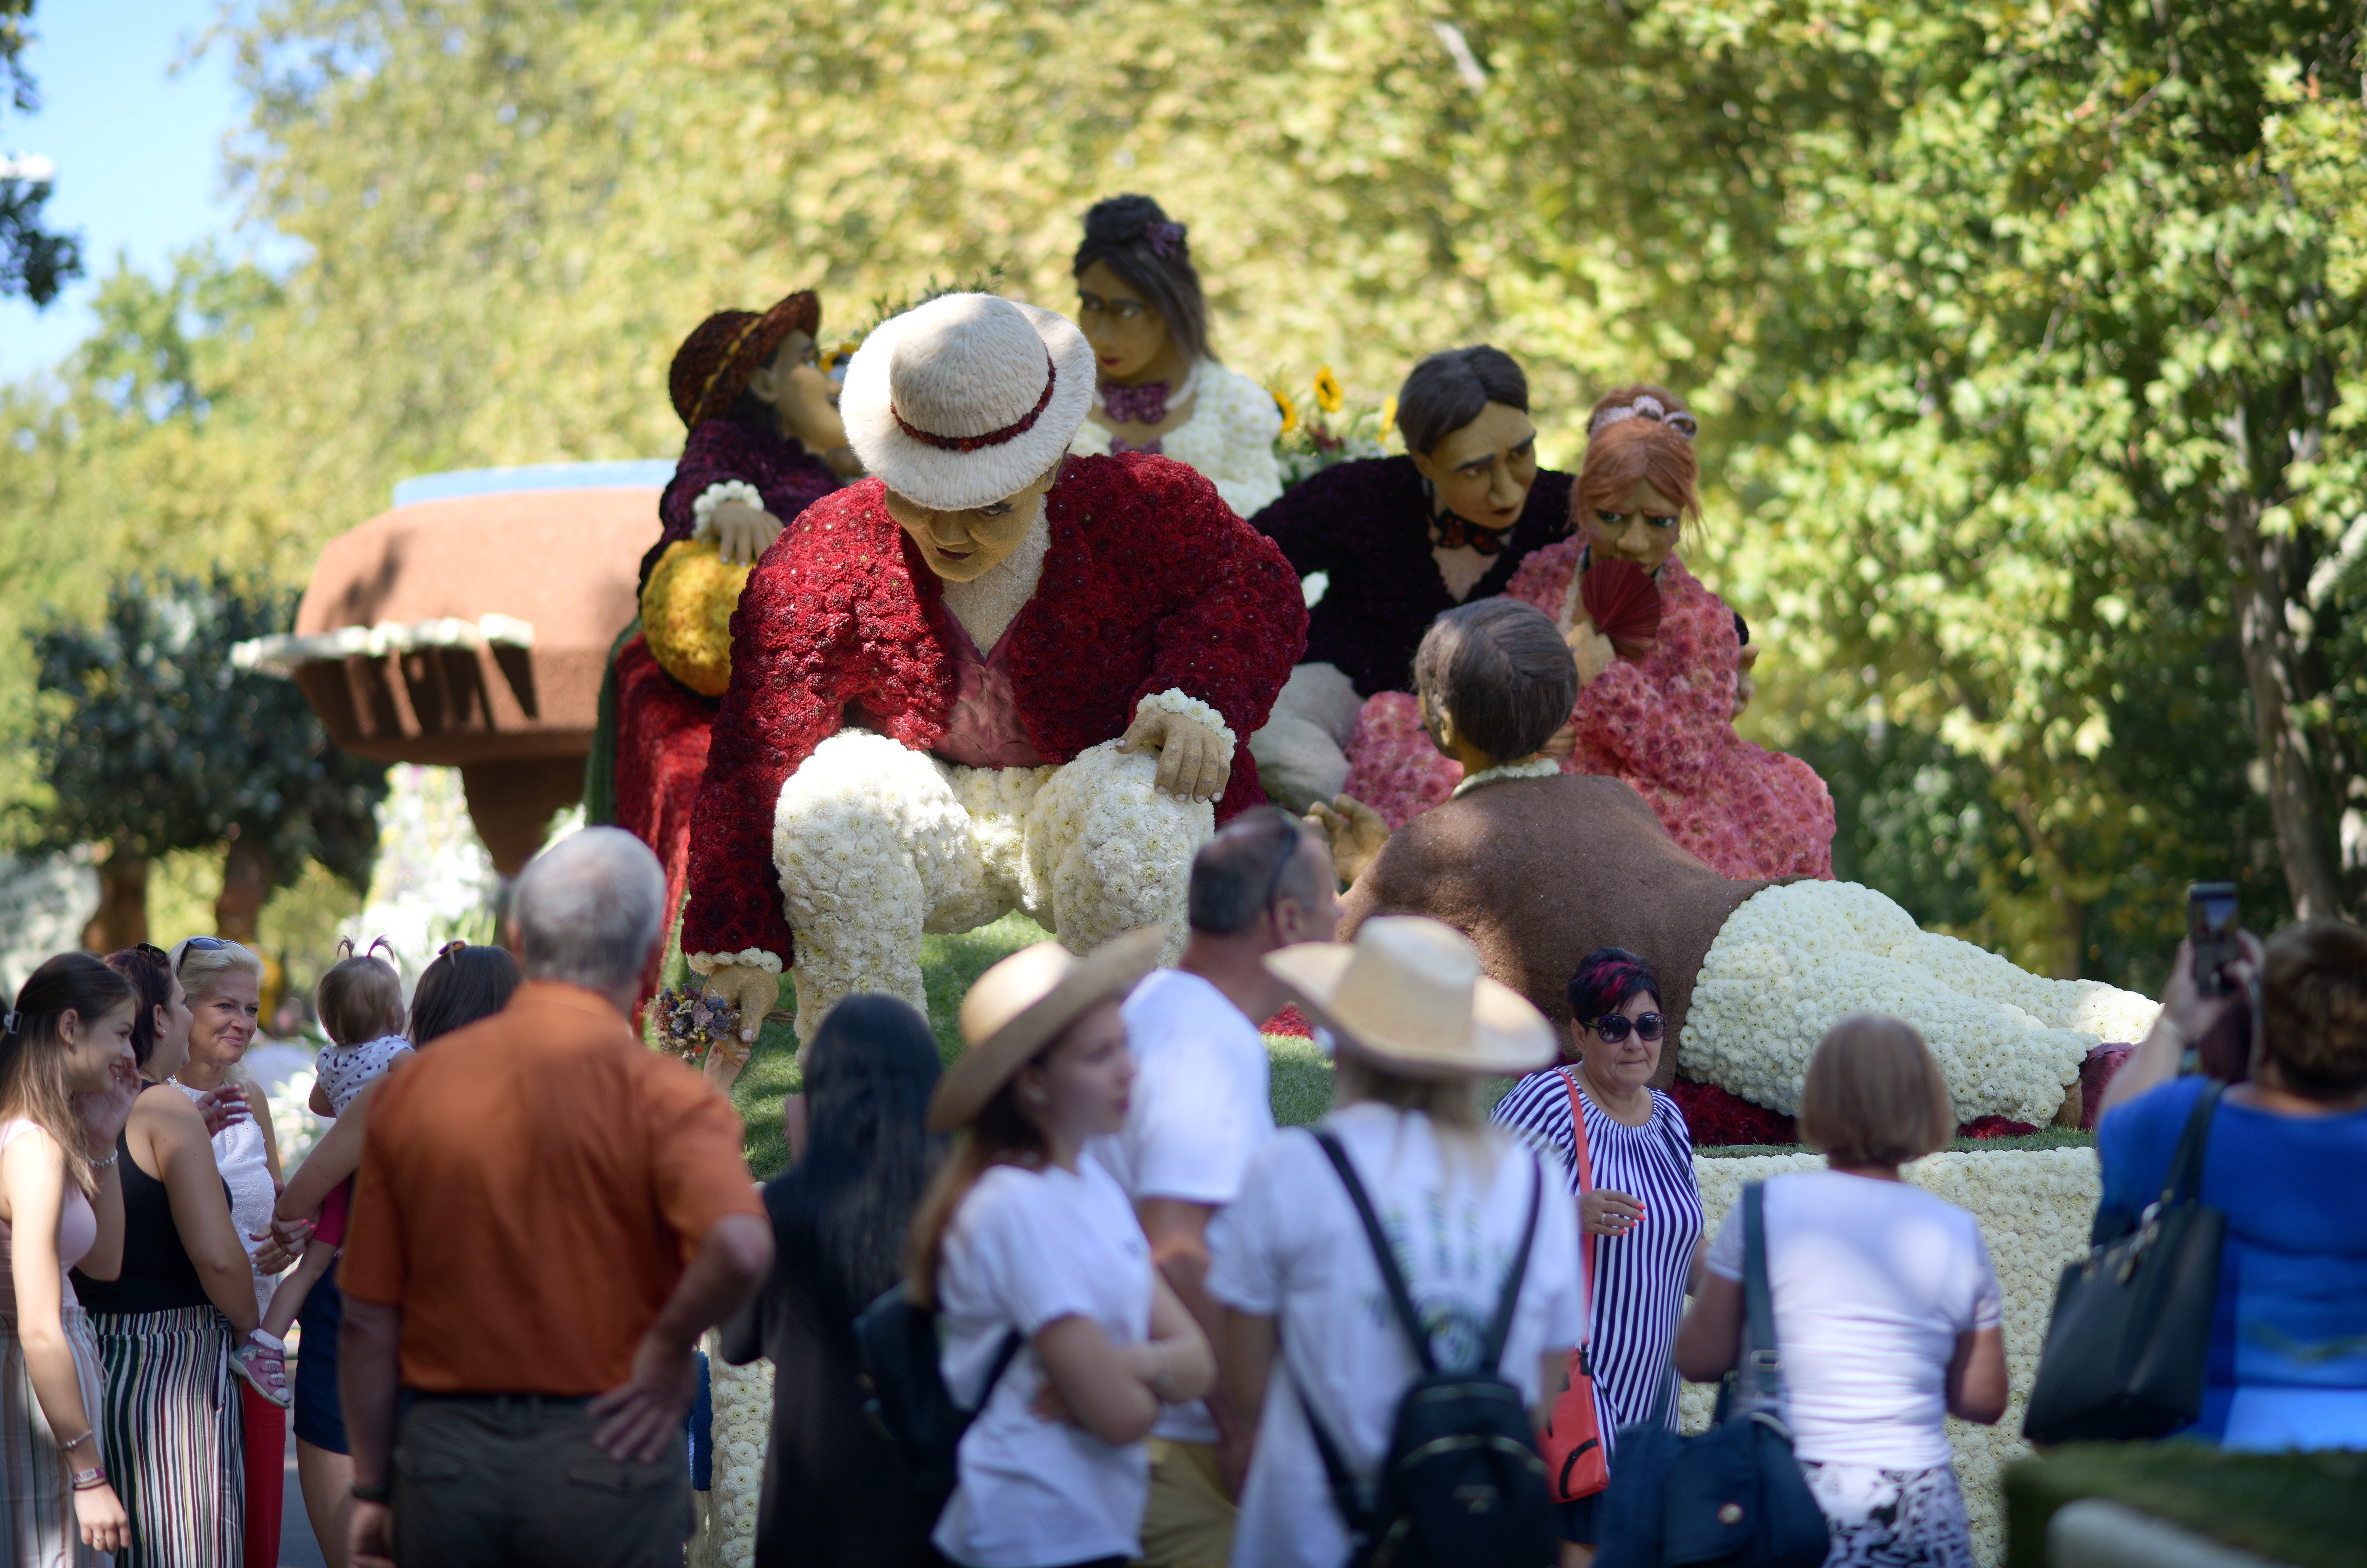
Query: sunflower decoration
point(1312, 439)
point(833, 358)
point(1388, 413)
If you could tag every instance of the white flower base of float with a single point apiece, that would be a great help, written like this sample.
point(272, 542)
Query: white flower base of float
point(2033, 1205)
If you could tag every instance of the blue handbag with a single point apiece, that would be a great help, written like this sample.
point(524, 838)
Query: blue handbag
point(1732, 1498)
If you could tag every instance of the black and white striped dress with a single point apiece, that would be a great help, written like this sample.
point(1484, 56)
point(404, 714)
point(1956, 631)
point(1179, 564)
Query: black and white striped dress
point(1640, 1278)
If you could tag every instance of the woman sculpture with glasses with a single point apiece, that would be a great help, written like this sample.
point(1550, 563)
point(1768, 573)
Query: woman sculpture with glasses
point(1158, 388)
point(1639, 1211)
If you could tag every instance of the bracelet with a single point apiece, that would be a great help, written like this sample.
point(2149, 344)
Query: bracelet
point(90, 1480)
point(78, 1441)
point(364, 1492)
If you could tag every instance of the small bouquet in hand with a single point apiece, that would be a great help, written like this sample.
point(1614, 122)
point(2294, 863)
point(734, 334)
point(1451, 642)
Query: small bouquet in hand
point(689, 1022)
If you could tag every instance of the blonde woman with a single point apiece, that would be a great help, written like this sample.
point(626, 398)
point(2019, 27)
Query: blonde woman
point(67, 1087)
point(1025, 1240)
point(224, 983)
point(1308, 1337)
point(1887, 1309)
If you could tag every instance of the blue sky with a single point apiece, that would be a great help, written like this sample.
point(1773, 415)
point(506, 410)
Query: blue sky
point(138, 145)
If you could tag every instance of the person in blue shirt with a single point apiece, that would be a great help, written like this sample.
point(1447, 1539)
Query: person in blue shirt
point(2287, 1164)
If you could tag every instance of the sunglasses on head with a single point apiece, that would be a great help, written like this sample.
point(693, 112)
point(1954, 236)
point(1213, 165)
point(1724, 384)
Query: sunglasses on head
point(201, 944)
point(1613, 1027)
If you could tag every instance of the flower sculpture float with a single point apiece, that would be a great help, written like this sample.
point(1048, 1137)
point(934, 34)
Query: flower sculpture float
point(764, 443)
point(1540, 867)
point(1663, 667)
point(991, 677)
point(1400, 540)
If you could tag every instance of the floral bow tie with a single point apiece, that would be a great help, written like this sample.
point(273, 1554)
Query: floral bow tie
point(1455, 533)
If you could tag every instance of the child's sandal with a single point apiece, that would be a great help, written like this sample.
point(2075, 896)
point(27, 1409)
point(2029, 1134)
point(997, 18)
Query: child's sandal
point(261, 1362)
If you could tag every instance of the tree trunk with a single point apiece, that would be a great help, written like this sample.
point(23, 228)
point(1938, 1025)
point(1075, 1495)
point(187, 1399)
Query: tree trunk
point(246, 883)
point(2264, 570)
point(122, 919)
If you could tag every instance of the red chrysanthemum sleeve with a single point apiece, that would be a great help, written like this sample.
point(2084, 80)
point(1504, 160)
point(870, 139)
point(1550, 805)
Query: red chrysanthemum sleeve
point(1666, 717)
point(794, 665)
point(1239, 619)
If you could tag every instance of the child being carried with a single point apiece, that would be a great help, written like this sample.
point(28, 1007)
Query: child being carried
point(360, 1001)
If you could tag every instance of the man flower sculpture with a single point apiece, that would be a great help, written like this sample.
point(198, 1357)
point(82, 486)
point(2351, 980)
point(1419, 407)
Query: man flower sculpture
point(986, 678)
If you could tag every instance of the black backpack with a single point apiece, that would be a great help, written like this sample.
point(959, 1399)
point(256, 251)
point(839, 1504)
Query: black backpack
point(901, 1342)
point(1462, 1482)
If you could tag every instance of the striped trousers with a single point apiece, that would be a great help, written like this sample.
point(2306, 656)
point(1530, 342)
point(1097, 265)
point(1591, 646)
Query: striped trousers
point(171, 1435)
point(37, 1515)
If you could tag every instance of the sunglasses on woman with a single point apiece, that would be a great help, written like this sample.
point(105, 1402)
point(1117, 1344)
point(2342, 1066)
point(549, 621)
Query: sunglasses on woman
point(1613, 1027)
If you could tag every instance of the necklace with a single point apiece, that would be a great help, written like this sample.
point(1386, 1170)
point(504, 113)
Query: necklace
point(1535, 768)
point(1145, 405)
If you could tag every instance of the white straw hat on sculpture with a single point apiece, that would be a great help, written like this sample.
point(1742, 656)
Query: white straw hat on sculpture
point(968, 399)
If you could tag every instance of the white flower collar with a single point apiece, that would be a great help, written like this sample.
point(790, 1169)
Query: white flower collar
point(1535, 768)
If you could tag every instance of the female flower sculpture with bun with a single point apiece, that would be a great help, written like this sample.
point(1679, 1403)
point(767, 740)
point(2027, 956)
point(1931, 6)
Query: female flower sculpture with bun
point(1663, 666)
point(991, 677)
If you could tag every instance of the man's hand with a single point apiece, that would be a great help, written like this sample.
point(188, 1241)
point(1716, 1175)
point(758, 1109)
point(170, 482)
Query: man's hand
point(748, 989)
point(743, 532)
point(369, 1535)
point(1194, 760)
point(641, 1420)
point(1355, 832)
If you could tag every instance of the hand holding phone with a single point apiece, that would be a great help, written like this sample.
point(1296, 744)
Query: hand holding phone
point(2211, 928)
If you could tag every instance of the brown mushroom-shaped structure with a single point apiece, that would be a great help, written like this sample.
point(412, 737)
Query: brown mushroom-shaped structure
point(470, 626)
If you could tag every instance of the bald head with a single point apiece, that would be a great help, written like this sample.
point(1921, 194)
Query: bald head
point(589, 909)
point(1260, 856)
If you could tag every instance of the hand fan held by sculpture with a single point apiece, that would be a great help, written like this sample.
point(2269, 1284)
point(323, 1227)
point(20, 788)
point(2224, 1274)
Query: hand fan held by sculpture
point(1624, 602)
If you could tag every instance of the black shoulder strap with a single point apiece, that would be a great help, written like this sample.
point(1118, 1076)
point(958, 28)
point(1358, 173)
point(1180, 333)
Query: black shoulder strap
point(1384, 1256)
point(1012, 1343)
point(1491, 1355)
point(2184, 1181)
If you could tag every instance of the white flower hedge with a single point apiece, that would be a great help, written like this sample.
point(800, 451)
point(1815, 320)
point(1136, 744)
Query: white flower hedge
point(1791, 962)
point(2034, 1206)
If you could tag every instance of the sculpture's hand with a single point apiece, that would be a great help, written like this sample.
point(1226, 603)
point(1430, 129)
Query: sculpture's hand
point(1355, 830)
point(1745, 688)
point(1194, 760)
point(743, 532)
point(1590, 648)
point(1560, 744)
point(749, 990)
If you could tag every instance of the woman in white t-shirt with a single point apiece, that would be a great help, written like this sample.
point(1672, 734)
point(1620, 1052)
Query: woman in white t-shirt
point(1308, 1325)
point(1887, 1309)
point(1025, 1234)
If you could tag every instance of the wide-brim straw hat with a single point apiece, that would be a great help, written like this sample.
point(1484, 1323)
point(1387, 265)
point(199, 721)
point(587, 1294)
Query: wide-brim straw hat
point(1408, 996)
point(1022, 1004)
point(968, 399)
point(716, 362)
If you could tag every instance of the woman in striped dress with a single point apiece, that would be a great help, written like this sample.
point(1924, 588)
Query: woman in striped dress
point(164, 1324)
point(1640, 1218)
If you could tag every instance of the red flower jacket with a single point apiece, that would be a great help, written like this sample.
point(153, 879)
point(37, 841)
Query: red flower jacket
point(1150, 582)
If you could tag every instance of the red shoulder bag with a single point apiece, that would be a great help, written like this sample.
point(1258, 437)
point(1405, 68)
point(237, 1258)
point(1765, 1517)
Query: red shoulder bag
point(1573, 1447)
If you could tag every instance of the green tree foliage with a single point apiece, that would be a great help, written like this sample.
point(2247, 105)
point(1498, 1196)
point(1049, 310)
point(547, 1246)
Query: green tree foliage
point(2026, 336)
point(35, 261)
point(156, 743)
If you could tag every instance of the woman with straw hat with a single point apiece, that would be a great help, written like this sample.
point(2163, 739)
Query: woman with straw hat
point(1023, 1240)
point(1414, 1026)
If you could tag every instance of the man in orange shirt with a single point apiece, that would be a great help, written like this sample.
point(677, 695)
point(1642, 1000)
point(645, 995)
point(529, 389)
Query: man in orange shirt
point(547, 1217)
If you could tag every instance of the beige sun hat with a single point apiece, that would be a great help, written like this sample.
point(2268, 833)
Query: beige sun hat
point(1022, 1004)
point(1408, 995)
point(968, 399)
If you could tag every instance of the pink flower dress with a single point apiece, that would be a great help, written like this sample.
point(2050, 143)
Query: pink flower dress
point(1664, 723)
